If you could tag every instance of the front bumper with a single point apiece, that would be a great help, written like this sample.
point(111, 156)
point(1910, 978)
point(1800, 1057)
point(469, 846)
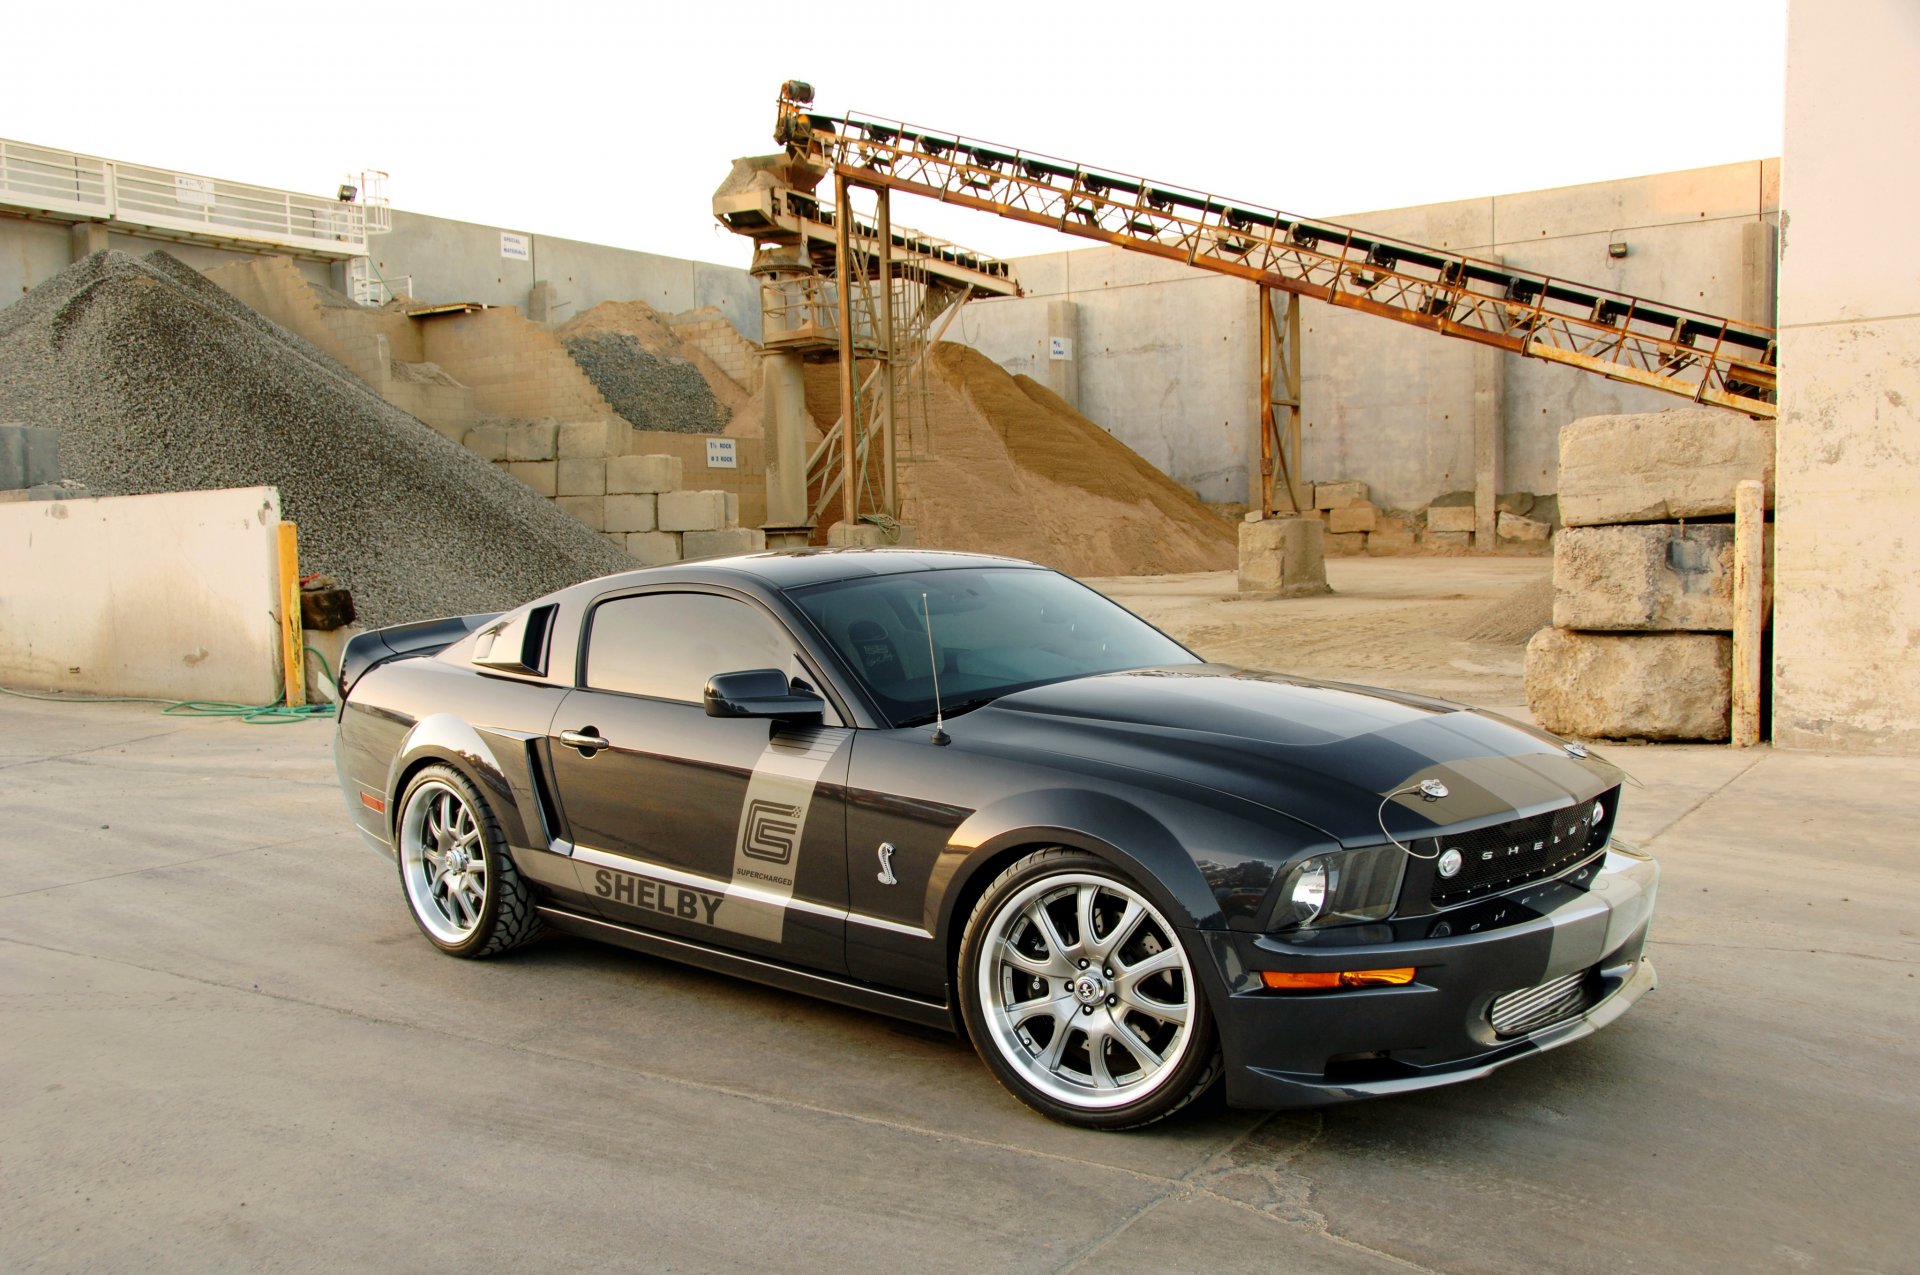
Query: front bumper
point(1318, 1048)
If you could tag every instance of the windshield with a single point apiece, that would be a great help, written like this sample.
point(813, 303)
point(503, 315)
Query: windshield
point(995, 630)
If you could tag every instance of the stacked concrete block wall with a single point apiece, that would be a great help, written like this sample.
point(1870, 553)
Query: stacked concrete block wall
point(516, 369)
point(369, 343)
point(1641, 645)
point(1355, 524)
point(709, 331)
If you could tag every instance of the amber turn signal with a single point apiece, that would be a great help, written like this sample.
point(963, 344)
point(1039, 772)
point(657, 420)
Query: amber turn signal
point(1289, 981)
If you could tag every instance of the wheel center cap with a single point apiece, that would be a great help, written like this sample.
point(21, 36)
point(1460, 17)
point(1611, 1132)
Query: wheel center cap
point(1089, 989)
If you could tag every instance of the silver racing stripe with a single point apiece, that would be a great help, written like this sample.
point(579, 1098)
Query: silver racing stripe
point(773, 825)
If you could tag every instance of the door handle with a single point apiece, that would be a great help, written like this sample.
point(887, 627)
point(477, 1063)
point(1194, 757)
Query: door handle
point(587, 740)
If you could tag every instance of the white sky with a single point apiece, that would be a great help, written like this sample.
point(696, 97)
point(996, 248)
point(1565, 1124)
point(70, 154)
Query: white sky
point(613, 123)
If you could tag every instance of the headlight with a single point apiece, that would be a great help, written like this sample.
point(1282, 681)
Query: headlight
point(1345, 888)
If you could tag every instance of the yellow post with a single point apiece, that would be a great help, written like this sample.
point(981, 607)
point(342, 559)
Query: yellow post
point(292, 636)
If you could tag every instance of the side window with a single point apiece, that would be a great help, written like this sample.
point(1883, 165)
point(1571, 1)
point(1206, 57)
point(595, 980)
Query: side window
point(666, 645)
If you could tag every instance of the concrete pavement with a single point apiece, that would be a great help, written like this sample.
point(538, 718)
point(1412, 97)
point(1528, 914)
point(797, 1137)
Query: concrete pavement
point(228, 1048)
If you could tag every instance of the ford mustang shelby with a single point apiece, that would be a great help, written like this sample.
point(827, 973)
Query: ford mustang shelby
point(973, 793)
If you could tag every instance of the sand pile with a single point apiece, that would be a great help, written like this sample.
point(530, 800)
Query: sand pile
point(653, 378)
point(1016, 471)
point(159, 380)
point(1514, 618)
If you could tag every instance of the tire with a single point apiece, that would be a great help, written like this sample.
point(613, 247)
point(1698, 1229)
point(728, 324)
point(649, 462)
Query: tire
point(455, 873)
point(1080, 996)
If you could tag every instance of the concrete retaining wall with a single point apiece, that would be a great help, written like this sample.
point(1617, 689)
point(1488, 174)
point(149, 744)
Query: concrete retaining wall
point(171, 596)
point(461, 261)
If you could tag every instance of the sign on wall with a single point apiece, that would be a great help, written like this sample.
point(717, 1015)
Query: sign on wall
point(197, 191)
point(720, 454)
point(1059, 349)
point(516, 247)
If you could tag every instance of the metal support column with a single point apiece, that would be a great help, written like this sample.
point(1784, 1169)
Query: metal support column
point(1280, 404)
point(890, 499)
point(849, 392)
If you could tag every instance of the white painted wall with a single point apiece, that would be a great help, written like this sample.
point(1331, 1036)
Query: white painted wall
point(1847, 557)
point(171, 596)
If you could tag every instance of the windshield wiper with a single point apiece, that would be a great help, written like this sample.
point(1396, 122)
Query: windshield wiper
point(952, 710)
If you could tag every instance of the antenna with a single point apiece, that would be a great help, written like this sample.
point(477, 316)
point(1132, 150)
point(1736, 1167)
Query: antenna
point(939, 735)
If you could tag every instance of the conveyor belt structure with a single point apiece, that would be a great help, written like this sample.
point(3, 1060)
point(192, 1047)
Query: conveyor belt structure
point(1699, 356)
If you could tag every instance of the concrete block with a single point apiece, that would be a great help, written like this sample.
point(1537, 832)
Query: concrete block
point(1644, 576)
point(29, 456)
point(1345, 544)
point(489, 442)
point(1523, 530)
point(580, 477)
point(1283, 557)
point(733, 510)
point(654, 548)
point(693, 510)
point(859, 535)
point(637, 475)
point(722, 543)
point(630, 513)
point(590, 510)
point(1360, 516)
point(1390, 537)
point(1337, 495)
point(1668, 686)
point(1450, 517)
point(1448, 541)
point(1660, 466)
point(537, 440)
point(598, 438)
point(540, 475)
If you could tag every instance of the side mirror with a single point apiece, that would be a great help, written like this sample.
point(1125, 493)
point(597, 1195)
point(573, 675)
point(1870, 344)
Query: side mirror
point(760, 692)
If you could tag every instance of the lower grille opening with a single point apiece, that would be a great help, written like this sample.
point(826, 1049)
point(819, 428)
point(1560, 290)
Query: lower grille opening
point(1531, 1008)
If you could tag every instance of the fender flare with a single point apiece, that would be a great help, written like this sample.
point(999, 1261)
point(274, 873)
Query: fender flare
point(1128, 836)
point(501, 764)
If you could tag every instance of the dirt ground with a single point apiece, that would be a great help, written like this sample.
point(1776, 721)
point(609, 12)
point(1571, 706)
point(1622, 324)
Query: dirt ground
point(1394, 622)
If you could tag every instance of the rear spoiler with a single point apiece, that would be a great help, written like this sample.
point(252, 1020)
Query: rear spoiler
point(376, 646)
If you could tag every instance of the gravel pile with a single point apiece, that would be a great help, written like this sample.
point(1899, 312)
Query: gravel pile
point(160, 381)
point(651, 392)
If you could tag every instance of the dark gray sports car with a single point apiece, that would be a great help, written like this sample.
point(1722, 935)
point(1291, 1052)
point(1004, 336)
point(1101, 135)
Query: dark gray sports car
point(975, 794)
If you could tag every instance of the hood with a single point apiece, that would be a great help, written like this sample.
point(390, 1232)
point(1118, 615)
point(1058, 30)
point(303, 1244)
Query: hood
point(1322, 753)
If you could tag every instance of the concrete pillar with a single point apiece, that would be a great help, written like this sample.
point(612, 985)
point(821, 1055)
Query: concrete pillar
point(340, 277)
point(1749, 607)
point(1063, 356)
point(89, 237)
point(1846, 622)
point(543, 302)
point(784, 404)
point(1759, 260)
point(1489, 442)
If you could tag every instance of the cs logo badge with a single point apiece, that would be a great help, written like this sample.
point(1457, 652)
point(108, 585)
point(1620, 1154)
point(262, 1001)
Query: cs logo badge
point(771, 831)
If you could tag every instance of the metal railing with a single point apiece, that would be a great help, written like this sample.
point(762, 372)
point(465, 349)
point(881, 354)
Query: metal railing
point(65, 184)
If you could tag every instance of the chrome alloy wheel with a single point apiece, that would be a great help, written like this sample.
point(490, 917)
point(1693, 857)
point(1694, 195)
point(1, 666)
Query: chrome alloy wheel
point(443, 862)
point(1086, 990)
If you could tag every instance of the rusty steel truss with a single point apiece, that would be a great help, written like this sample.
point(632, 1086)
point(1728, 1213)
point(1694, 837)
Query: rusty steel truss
point(1699, 356)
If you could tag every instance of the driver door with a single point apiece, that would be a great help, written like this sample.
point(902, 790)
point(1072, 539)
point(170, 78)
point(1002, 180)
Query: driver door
point(726, 831)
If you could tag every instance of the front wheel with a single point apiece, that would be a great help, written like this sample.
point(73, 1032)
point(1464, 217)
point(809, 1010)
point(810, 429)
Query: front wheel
point(459, 881)
point(1080, 996)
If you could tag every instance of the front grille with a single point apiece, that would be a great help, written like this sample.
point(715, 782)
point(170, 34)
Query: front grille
point(1517, 1013)
point(1521, 850)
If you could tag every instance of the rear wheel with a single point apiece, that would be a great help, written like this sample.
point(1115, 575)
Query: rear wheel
point(459, 881)
point(1080, 996)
